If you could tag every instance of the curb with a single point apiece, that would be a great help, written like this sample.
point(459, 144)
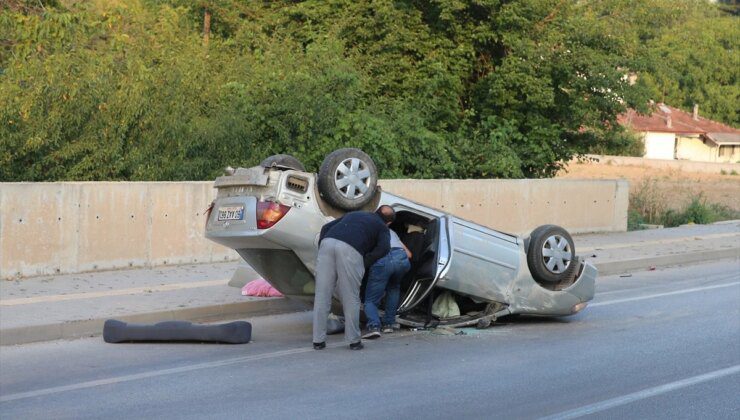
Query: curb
point(271, 306)
point(640, 264)
point(94, 327)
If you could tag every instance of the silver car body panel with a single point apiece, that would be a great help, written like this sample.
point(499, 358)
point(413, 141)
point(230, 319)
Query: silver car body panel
point(484, 264)
point(472, 260)
point(244, 176)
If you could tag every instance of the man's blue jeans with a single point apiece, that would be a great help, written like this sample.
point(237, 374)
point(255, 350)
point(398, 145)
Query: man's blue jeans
point(385, 277)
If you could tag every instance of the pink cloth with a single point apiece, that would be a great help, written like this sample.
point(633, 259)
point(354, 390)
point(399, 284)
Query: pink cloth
point(260, 287)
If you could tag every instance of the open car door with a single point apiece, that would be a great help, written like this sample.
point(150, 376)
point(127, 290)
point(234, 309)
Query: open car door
point(431, 265)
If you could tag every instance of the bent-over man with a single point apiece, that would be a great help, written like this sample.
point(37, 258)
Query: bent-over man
point(347, 247)
point(385, 277)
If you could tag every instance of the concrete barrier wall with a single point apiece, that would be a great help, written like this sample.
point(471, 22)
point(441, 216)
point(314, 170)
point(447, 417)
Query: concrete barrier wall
point(678, 165)
point(520, 205)
point(70, 227)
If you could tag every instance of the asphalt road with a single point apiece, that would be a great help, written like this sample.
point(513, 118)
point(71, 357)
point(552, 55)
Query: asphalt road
point(660, 344)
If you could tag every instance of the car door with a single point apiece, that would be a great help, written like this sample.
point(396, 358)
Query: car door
point(433, 263)
point(485, 262)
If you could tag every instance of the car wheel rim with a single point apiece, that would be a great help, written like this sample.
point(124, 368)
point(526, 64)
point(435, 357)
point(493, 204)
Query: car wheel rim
point(352, 178)
point(556, 254)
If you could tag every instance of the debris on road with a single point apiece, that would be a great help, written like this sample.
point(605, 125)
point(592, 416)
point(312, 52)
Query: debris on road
point(237, 332)
point(260, 288)
point(448, 331)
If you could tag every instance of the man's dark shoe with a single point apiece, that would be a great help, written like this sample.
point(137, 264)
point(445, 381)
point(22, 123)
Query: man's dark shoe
point(372, 333)
point(356, 346)
point(387, 329)
point(319, 346)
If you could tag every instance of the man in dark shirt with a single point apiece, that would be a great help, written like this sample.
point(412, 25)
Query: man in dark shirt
point(347, 247)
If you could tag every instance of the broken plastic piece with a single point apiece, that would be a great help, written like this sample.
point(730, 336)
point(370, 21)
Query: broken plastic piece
point(238, 332)
point(261, 288)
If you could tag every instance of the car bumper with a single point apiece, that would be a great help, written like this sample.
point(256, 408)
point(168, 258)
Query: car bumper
point(530, 298)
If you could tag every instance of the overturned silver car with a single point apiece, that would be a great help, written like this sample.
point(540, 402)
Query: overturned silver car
point(272, 215)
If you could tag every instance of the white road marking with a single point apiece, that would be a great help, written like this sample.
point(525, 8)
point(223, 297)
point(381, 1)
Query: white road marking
point(235, 360)
point(707, 278)
point(119, 292)
point(150, 374)
point(641, 395)
point(656, 295)
point(171, 371)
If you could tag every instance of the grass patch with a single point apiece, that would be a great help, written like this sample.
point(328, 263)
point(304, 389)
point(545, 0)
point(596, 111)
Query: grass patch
point(648, 206)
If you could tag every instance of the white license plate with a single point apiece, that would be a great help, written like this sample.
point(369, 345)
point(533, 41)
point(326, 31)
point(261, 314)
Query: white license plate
point(231, 213)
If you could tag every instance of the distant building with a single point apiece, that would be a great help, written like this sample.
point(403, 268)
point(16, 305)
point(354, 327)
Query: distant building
point(670, 133)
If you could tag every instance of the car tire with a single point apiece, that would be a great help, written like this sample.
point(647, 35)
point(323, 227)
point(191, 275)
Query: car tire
point(348, 179)
point(283, 160)
point(551, 255)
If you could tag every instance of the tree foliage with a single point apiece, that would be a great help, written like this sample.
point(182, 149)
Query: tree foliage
point(129, 90)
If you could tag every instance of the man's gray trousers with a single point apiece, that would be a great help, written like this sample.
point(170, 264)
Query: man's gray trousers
point(338, 265)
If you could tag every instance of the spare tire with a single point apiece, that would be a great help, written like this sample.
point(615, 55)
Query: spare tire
point(285, 161)
point(551, 255)
point(348, 179)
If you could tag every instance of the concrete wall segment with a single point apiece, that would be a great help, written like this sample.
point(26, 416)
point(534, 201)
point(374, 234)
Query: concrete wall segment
point(69, 227)
point(113, 225)
point(172, 216)
point(621, 205)
point(177, 213)
point(520, 205)
point(39, 229)
point(679, 165)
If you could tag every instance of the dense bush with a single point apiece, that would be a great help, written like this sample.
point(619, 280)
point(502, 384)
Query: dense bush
point(132, 90)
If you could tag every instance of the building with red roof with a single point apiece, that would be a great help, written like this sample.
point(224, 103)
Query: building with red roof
point(670, 133)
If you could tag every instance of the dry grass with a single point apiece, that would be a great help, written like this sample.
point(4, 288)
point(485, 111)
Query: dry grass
point(664, 189)
point(648, 200)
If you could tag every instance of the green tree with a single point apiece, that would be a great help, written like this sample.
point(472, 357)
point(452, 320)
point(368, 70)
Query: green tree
point(128, 89)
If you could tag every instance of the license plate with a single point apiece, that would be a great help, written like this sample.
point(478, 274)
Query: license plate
point(231, 213)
